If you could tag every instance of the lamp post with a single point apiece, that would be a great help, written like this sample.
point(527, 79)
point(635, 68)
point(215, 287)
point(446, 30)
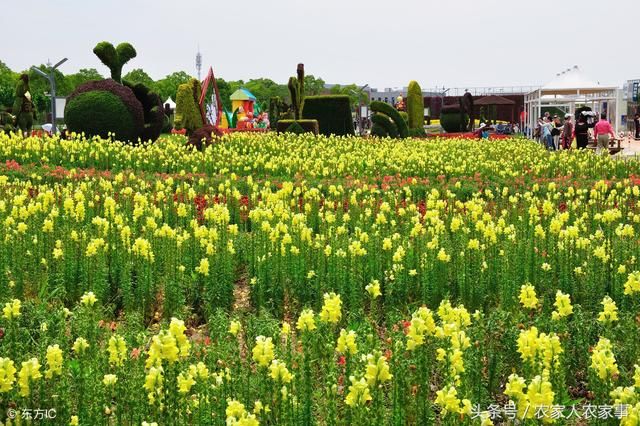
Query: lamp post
point(52, 82)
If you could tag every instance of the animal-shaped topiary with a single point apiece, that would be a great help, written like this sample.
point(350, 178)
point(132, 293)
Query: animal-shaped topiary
point(387, 121)
point(188, 114)
point(129, 112)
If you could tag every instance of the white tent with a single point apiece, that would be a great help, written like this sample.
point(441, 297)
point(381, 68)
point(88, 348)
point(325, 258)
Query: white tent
point(569, 90)
point(170, 102)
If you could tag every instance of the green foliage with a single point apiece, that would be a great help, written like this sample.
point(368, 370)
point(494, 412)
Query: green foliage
point(313, 86)
point(415, 106)
point(417, 133)
point(188, 115)
point(405, 116)
point(152, 109)
point(296, 92)
point(298, 126)
point(83, 76)
point(168, 86)
point(332, 112)
point(295, 128)
point(452, 121)
point(384, 127)
point(99, 113)
point(393, 114)
point(356, 95)
point(138, 75)
point(114, 57)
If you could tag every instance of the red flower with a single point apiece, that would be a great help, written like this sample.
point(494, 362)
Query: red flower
point(342, 360)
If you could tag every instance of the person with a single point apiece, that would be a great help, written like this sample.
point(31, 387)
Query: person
point(556, 131)
point(545, 132)
point(636, 123)
point(567, 132)
point(602, 133)
point(581, 132)
point(23, 106)
point(537, 131)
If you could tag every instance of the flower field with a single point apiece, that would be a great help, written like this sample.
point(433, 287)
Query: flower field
point(290, 280)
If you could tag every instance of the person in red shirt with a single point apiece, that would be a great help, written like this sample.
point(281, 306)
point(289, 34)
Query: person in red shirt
point(602, 133)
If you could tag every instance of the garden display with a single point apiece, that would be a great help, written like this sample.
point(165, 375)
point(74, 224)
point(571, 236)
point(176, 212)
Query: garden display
point(293, 279)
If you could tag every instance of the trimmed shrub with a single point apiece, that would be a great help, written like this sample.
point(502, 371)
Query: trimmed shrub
point(204, 136)
point(417, 133)
point(452, 121)
point(415, 106)
point(188, 115)
point(99, 113)
point(386, 127)
point(307, 126)
point(404, 116)
point(96, 108)
point(393, 114)
point(379, 131)
point(152, 109)
point(332, 112)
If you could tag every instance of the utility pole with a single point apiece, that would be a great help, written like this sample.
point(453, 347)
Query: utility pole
point(52, 82)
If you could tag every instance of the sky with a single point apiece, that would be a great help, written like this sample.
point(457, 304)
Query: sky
point(450, 43)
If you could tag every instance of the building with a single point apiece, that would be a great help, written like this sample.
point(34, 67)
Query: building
point(630, 96)
point(390, 95)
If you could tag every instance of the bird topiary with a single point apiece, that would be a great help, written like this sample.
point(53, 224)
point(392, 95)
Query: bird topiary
point(129, 112)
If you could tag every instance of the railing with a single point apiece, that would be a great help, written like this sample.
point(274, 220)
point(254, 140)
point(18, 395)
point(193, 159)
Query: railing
point(483, 91)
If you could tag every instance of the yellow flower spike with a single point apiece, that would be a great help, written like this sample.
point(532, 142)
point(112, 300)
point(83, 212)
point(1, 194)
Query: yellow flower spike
point(609, 312)
point(263, 351)
point(359, 393)
point(7, 374)
point(528, 297)
point(331, 310)
point(11, 309)
point(54, 361)
point(347, 342)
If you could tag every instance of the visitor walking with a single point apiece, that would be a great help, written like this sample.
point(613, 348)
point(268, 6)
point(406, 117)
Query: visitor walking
point(603, 133)
point(567, 132)
point(636, 123)
point(556, 131)
point(581, 133)
point(545, 133)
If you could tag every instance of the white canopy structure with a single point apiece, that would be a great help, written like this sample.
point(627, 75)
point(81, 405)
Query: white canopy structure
point(571, 89)
point(170, 102)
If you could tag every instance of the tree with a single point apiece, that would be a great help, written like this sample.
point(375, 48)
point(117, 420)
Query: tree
point(83, 76)
point(8, 80)
point(313, 86)
point(138, 75)
point(168, 86)
point(355, 94)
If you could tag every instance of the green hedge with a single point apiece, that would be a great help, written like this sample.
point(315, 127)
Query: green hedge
point(152, 110)
point(332, 112)
point(393, 114)
point(384, 126)
point(98, 113)
point(308, 126)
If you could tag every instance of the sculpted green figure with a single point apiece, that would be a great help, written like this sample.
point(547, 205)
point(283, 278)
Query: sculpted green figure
point(23, 107)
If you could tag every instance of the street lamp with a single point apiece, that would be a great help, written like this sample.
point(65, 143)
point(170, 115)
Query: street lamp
point(52, 82)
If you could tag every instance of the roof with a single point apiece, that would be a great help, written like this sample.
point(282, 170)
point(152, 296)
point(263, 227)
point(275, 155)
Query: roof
point(170, 102)
point(242, 95)
point(494, 100)
point(571, 81)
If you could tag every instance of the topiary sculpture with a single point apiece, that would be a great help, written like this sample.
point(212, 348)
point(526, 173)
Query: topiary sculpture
point(188, 114)
point(115, 57)
point(101, 108)
point(453, 119)
point(389, 113)
point(127, 111)
point(296, 91)
point(415, 108)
